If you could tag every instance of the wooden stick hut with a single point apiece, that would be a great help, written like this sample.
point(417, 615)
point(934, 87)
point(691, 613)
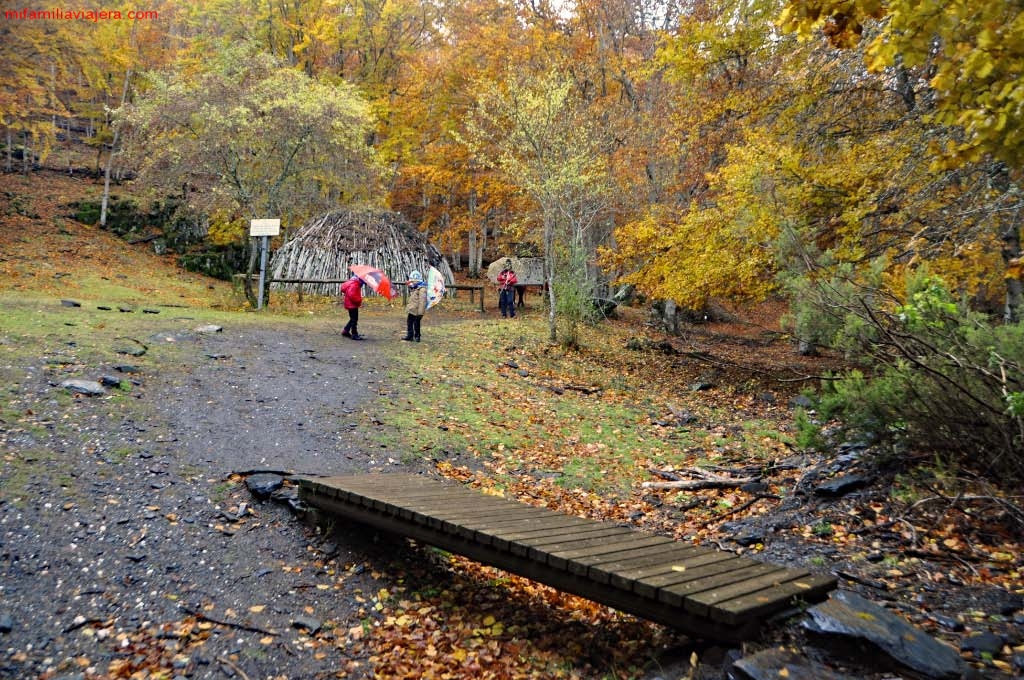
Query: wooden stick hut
point(324, 247)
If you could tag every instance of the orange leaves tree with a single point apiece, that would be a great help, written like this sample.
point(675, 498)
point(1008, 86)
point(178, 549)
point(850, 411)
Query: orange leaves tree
point(967, 59)
point(539, 135)
point(907, 243)
point(707, 229)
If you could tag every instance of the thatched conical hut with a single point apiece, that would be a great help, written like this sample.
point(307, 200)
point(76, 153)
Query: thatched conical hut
point(325, 246)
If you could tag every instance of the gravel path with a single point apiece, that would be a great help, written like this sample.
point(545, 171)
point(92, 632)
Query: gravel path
point(125, 544)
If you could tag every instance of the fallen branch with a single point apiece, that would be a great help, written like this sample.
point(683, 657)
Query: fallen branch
point(144, 239)
point(230, 624)
point(233, 666)
point(705, 480)
point(870, 583)
point(1016, 512)
point(582, 388)
point(267, 471)
point(744, 506)
point(81, 623)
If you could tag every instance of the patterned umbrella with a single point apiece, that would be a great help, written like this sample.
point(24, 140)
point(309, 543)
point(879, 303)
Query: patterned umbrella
point(375, 278)
point(435, 287)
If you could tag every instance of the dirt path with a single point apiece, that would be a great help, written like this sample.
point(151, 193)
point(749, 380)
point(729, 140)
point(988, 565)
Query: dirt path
point(124, 546)
point(273, 399)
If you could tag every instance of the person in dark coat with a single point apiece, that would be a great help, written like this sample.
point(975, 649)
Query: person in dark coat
point(353, 292)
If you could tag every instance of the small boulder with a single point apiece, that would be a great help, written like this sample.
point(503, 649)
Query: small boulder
point(264, 484)
point(780, 662)
point(89, 388)
point(848, 617)
point(840, 486)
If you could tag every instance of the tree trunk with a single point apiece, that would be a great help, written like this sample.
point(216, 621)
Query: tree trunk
point(250, 294)
point(474, 265)
point(25, 151)
point(10, 150)
point(67, 132)
point(110, 156)
point(1014, 283)
point(549, 276)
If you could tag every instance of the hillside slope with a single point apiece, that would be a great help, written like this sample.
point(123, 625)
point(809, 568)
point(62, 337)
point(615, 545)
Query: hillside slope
point(45, 251)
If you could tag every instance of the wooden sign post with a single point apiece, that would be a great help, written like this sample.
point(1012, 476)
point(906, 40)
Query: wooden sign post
point(264, 228)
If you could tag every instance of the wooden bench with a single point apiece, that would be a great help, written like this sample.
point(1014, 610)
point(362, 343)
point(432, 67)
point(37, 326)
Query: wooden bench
point(707, 593)
point(450, 289)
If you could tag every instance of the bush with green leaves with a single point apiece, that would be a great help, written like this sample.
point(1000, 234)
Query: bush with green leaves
point(574, 295)
point(934, 375)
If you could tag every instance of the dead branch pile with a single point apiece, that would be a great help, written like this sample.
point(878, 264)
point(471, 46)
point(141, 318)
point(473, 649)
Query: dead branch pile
point(324, 247)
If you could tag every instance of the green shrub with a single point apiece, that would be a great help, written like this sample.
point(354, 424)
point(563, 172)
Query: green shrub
point(944, 380)
point(808, 432)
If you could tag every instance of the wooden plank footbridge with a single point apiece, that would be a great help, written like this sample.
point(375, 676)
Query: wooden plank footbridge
point(707, 593)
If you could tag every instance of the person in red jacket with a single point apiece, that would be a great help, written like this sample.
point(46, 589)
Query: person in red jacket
point(353, 292)
point(507, 290)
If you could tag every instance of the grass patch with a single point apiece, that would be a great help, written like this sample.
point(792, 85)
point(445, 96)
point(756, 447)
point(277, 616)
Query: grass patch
point(498, 391)
point(26, 469)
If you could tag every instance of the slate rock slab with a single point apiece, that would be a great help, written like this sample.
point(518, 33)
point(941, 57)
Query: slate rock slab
point(90, 388)
point(840, 486)
point(263, 485)
point(772, 664)
point(848, 616)
point(981, 644)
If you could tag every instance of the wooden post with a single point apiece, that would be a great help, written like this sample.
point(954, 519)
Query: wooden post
point(264, 228)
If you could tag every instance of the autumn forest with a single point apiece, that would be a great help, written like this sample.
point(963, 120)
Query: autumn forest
point(855, 167)
point(860, 159)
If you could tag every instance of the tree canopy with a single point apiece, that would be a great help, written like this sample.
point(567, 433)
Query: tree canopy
point(246, 136)
point(740, 142)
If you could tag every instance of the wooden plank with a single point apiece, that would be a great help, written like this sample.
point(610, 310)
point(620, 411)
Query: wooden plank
point(429, 516)
point(701, 567)
point(773, 576)
point(619, 570)
point(387, 483)
point(595, 566)
point(578, 557)
point(679, 594)
point(505, 536)
point(497, 516)
point(683, 571)
point(482, 523)
point(652, 610)
point(761, 603)
point(380, 499)
point(448, 514)
point(554, 521)
point(539, 547)
point(648, 563)
point(436, 511)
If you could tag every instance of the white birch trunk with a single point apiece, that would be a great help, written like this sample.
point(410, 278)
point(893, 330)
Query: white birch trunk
point(110, 156)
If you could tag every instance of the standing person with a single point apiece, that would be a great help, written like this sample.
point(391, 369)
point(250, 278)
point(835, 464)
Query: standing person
point(416, 307)
point(507, 290)
point(353, 292)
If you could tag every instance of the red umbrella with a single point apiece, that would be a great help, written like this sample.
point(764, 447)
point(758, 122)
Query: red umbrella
point(376, 279)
